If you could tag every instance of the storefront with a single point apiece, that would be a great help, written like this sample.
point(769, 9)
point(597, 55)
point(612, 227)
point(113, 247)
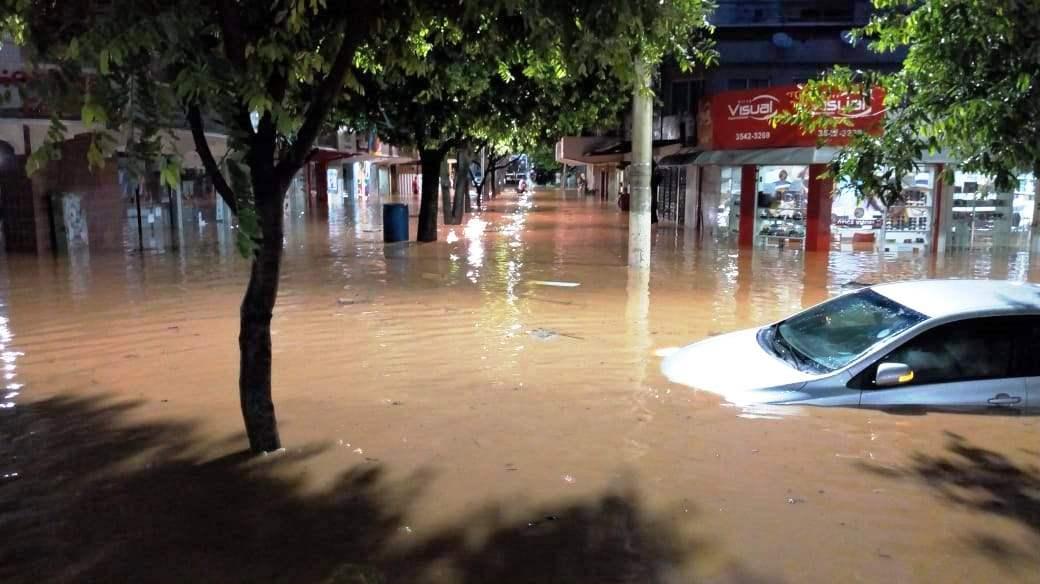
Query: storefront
point(771, 190)
point(905, 227)
point(983, 216)
point(763, 186)
point(727, 212)
point(671, 194)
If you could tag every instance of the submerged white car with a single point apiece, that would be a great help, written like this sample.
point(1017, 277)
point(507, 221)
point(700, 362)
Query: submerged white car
point(945, 345)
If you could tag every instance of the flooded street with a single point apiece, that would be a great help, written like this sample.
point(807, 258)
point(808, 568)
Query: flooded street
point(458, 412)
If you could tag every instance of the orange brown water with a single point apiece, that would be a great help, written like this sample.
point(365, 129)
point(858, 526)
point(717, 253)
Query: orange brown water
point(449, 418)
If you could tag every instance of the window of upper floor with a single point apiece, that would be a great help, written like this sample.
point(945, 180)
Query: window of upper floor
point(766, 12)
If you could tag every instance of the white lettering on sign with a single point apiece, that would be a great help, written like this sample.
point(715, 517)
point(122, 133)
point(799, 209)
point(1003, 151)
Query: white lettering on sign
point(744, 136)
point(760, 107)
point(848, 106)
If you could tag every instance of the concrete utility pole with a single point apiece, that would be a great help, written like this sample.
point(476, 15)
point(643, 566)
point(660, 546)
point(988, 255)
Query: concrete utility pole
point(1034, 235)
point(639, 225)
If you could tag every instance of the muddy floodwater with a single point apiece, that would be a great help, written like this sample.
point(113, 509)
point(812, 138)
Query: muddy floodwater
point(462, 412)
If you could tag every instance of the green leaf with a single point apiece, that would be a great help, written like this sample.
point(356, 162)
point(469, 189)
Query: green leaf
point(170, 173)
point(72, 50)
point(87, 114)
point(248, 235)
point(1024, 81)
point(95, 157)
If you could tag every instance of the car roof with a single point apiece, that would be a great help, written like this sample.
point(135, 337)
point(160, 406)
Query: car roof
point(945, 298)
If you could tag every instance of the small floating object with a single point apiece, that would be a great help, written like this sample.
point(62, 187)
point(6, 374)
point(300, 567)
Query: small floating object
point(548, 335)
point(543, 334)
point(556, 284)
point(856, 284)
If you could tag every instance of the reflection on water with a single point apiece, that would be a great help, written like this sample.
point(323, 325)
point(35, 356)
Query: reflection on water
point(450, 356)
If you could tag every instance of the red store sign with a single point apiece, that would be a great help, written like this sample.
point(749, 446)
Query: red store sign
point(742, 119)
point(12, 77)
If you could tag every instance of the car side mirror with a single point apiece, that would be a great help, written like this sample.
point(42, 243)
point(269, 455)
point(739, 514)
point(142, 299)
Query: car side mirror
point(892, 374)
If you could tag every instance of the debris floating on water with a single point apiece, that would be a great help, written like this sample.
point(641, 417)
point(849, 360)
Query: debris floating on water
point(555, 284)
point(349, 301)
point(543, 334)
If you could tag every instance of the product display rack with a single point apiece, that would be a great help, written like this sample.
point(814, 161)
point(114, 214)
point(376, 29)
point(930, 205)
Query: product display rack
point(909, 226)
point(980, 214)
point(783, 222)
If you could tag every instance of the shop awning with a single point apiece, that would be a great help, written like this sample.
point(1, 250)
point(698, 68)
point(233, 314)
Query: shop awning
point(785, 156)
point(680, 159)
point(626, 147)
point(766, 156)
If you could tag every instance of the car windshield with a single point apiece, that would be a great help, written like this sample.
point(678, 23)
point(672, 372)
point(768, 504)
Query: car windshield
point(833, 334)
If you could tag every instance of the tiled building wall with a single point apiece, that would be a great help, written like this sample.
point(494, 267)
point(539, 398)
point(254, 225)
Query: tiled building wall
point(26, 201)
point(24, 210)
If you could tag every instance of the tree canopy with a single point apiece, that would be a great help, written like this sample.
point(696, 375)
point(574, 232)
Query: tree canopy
point(516, 77)
point(274, 74)
point(969, 85)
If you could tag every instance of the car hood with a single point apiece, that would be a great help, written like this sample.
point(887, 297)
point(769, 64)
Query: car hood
point(736, 367)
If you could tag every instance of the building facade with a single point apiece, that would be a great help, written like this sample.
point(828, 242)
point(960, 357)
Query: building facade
point(726, 173)
point(69, 206)
point(761, 44)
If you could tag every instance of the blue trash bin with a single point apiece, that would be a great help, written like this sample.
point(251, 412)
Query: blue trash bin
point(395, 222)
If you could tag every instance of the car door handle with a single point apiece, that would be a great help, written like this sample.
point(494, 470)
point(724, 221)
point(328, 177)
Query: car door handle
point(1003, 399)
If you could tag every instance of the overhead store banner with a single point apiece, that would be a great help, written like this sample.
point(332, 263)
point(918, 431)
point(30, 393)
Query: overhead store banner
point(742, 119)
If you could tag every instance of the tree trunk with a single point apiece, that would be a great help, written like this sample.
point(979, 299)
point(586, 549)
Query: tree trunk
point(1034, 227)
point(483, 178)
point(254, 339)
point(492, 176)
point(431, 170)
point(1035, 224)
point(466, 179)
point(460, 204)
point(479, 186)
point(883, 232)
point(445, 182)
point(467, 202)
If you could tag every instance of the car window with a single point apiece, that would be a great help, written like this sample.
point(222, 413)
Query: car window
point(1028, 345)
point(835, 333)
point(982, 348)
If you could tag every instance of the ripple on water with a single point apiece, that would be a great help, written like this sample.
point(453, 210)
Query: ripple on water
point(433, 362)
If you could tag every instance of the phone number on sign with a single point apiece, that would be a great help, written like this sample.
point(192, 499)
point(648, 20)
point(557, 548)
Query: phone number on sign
point(752, 135)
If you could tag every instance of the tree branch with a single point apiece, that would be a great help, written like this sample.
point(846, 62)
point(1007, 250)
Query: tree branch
point(321, 104)
point(231, 30)
point(507, 164)
point(208, 162)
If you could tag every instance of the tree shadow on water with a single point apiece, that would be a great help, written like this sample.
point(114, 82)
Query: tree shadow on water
point(981, 480)
point(100, 498)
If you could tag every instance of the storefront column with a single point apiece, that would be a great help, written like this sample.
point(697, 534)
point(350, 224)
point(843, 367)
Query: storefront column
point(692, 194)
point(307, 183)
point(748, 181)
point(177, 213)
point(942, 211)
point(710, 187)
point(818, 210)
point(321, 177)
